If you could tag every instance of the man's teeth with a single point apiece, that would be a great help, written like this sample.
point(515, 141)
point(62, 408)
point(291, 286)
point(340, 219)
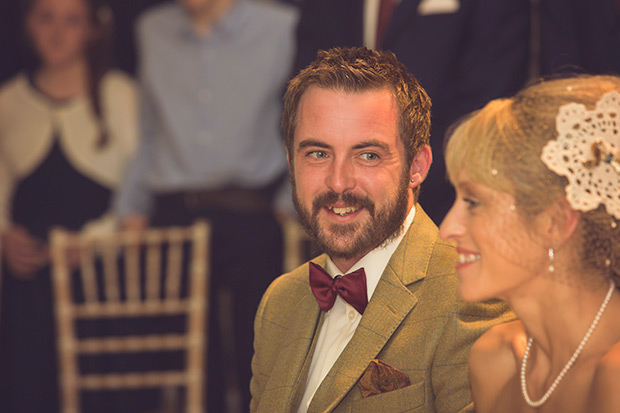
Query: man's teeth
point(464, 258)
point(343, 211)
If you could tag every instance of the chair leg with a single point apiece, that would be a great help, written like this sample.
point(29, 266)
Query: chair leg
point(229, 349)
point(170, 399)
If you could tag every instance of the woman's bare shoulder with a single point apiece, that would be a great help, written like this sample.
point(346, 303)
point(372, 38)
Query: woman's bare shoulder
point(604, 395)
point(497, 343)
point(492, 362)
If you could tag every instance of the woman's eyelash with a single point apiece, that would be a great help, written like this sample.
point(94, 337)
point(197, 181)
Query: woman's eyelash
point(471, 203)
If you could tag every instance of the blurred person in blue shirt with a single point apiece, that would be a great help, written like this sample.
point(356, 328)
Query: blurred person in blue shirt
point(212, 74)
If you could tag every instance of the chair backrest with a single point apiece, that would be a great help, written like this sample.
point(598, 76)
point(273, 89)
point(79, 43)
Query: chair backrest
point(298, 247)
point(131, 274)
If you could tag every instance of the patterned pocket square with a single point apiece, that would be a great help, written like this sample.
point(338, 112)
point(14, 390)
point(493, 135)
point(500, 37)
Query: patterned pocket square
point(380, 377)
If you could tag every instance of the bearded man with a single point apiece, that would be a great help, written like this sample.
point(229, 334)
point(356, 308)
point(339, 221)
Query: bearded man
point(391, 333)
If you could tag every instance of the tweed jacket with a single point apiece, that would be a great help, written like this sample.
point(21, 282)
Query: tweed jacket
point(414, 321)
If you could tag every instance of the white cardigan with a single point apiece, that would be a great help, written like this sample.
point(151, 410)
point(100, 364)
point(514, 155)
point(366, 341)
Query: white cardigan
point(29, 121)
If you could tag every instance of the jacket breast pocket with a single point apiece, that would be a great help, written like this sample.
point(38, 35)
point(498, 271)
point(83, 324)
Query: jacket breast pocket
point(406, 399)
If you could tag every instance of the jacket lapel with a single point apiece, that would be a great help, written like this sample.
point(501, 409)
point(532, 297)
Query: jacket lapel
point(297, 349)
point(391, 302)
point(307, 334)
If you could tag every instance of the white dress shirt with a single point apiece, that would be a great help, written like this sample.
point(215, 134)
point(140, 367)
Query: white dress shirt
point(340, 322)
point(371, 21)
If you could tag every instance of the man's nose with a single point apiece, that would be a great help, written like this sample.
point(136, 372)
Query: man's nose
point(340, 177)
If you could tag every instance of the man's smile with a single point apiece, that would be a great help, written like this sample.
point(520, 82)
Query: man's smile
point(343, 211)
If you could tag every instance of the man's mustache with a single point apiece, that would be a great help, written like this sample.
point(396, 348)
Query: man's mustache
point(330, 198)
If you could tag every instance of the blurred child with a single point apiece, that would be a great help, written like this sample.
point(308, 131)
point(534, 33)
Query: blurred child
point(67, 130)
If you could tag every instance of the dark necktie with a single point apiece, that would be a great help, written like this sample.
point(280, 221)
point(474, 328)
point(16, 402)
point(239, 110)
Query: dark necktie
point(351, 287)
point(386, 10)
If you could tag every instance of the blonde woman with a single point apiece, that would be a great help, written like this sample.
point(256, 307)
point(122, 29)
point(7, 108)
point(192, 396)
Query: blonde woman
point(536, 223)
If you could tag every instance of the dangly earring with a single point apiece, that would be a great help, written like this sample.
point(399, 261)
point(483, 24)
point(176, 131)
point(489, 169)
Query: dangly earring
point(551, 257)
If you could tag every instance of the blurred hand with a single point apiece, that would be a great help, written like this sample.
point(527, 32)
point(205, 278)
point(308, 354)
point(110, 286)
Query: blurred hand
point(73, 258)
point(24, 254)
point(136, 222)
point(282, 217)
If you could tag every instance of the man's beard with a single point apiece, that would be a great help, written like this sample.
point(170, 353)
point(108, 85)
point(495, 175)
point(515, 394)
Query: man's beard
point(384, 225)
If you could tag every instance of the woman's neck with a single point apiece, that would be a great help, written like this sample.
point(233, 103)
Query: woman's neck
point(63, 81)
point(559, 317)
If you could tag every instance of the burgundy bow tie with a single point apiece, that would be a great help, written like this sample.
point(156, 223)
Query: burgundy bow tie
point(351, 287)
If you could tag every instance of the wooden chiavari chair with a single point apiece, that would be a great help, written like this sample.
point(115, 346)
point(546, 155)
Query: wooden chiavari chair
point(132, 274)
point(298, 247)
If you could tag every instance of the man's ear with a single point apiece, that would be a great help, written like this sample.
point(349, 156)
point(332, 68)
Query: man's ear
point(420, 166)
point(289, 160)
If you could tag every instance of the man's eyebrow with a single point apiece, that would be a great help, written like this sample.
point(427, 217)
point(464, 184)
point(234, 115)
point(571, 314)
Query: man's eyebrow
point(373, 143)
point(306, 143)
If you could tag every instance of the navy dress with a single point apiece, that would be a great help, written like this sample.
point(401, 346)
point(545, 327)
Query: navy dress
point(55, 194)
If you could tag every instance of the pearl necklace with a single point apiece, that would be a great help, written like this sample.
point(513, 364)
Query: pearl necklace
point(570, 362)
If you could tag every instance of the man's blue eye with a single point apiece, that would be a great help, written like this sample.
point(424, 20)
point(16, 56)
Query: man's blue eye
point(369, 156)
point(318, 154)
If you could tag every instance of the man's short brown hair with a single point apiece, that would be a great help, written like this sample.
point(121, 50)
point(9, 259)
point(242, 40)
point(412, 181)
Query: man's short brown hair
point(359, 69)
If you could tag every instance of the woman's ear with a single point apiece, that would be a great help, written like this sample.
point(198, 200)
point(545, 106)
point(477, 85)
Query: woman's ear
point(559, 222)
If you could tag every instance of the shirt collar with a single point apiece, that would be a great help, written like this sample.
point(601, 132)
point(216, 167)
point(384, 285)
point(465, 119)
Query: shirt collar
point(230, 23)
point(375, 261)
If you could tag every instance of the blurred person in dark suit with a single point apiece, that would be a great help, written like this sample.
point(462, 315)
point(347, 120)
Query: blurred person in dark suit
point(579, 36)
point(463, 52)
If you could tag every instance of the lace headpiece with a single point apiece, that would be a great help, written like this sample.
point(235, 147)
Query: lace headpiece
point(587, 152)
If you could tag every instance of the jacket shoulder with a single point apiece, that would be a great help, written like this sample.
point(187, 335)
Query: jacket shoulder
point(16, 101)
point(115, 78)
point(275, 23)
point(119, 84)
point(13, 86)
point(443, 258)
